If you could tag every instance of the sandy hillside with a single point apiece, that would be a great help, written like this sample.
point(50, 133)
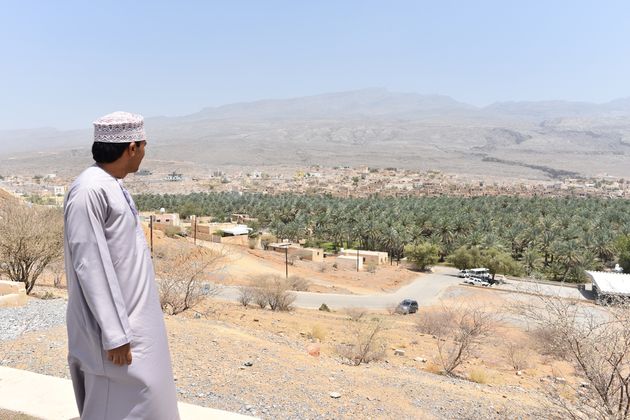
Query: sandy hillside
point(212, 347)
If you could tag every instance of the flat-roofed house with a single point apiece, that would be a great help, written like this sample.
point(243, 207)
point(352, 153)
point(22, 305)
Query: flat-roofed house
point(608, 286)
point(348, 262)
point(310, 254)
point(368, 257)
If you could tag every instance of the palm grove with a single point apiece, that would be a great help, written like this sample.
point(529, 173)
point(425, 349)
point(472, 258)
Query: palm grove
point(552, 238)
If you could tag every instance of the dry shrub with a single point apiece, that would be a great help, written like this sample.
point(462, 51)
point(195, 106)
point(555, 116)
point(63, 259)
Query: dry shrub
point(318, 333)
point(433, 368)
point(459, 330)
point(366, 342)
point(273, 291)
point(597, 342)
point(260, 298)
point(246, 295)
point(355, 314)
point(298, 284)
point(321, 267)
point(436, 323)
point(517, 355)
point(371, 268)
point(479, 376)
point(172, 231)
point(181, 273)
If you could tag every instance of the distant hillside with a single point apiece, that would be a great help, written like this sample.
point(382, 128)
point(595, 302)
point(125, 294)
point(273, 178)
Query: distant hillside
point(367, 102)
point(374, 127)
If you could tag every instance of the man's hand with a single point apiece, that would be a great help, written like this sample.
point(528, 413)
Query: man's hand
point(120, 356)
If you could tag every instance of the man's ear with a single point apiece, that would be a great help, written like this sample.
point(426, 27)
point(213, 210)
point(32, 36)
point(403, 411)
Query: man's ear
point(133, 148)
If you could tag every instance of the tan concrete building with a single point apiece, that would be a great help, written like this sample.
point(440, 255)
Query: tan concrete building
point(368, 257)
point(295, 250)
point(346, 262)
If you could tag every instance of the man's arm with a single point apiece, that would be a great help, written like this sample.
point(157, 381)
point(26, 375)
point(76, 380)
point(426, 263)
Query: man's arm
point(89, 253)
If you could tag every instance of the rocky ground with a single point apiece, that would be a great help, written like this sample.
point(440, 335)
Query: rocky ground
point(257, 362)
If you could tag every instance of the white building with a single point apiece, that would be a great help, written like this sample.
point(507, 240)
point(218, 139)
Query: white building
point(607, 285)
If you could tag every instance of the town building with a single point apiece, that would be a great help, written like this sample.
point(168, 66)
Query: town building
point(609, 286)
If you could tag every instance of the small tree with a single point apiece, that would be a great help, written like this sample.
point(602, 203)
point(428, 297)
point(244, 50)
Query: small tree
point(597, 343)
point(31, 238)
point(422, 255)
point(182, 275)
point(498, 261)
point(459, 331)
point(622, 246)
point(465, 257)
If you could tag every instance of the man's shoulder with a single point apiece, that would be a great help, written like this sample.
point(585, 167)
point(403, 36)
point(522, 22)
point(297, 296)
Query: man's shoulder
point(92, 178)
point(92, 182)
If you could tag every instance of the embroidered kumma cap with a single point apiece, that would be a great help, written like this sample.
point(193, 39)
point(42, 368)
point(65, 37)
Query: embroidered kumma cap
point(119, 127)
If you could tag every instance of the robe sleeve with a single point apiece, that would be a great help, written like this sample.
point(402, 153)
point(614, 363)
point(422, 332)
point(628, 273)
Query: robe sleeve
point(85, 219)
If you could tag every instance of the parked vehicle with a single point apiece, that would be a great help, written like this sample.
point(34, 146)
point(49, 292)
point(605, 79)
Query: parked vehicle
point(482, 273)
point(407, 306)
point(475, 281)
point(463, 274)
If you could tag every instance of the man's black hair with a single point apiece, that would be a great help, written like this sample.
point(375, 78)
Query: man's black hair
point(108, 152)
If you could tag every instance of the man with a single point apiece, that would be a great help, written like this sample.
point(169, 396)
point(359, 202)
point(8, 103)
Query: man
point(118, 350)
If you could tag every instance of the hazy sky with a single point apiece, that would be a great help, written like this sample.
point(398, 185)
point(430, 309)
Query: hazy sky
point(64, 63)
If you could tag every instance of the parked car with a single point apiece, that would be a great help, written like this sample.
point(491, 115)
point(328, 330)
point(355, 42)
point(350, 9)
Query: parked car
point(476, 282)
point(407, 306)
point(463, 274)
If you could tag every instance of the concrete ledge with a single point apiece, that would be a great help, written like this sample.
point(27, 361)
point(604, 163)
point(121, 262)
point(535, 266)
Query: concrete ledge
point(12, 294)
point(51, 398)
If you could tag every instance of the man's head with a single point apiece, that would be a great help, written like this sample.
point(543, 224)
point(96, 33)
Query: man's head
point(119, 140)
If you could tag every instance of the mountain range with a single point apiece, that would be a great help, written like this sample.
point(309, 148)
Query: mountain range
point(376, 127)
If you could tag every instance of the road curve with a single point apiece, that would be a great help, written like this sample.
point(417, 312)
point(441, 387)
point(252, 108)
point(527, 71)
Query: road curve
point(426, 289)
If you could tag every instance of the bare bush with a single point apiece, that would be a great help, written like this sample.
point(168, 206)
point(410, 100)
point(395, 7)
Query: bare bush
point(355, 314)
point(517, 355)
point(246, 294)
point(273, 291)
point(279, 297)
point(597, 342)
point(436, 323)
point(31, 238)
point(366, 342)
point(460, 331)
point(260, 298)
point(56, 270)
point(298, 284)
point(182, 273)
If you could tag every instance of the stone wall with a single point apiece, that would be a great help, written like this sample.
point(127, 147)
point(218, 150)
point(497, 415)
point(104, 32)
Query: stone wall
point(12, 294)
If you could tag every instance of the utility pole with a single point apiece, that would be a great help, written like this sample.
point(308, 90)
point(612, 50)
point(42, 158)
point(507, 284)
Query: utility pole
point(195, 231)
point(286, 262)
point(151, 230)
point(357, 259)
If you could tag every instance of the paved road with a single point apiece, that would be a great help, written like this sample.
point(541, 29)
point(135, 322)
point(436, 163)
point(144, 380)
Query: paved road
point(426, 289)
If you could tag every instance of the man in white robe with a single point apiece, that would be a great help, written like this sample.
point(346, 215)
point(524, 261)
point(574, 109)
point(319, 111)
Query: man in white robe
point(118, 351)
